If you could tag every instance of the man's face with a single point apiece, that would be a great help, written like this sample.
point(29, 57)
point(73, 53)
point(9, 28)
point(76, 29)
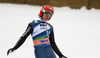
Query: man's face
point(46, 17)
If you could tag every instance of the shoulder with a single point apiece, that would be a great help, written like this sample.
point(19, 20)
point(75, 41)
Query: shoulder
point(50, 25)
point(34, 22)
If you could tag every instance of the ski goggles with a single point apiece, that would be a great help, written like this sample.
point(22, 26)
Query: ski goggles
point(48, 13)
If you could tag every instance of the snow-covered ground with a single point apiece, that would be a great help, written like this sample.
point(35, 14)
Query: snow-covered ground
point(77, 31)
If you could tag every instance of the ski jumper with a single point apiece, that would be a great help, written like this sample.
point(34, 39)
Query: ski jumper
point(43, 39)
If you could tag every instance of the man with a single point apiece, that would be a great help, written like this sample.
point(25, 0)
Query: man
point(42, 35)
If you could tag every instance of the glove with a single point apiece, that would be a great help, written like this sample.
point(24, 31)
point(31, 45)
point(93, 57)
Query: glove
point(63, 57)
point(10, 51)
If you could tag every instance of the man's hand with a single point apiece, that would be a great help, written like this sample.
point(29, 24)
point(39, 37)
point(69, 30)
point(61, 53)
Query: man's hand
point(10, 51)
point(63, 57)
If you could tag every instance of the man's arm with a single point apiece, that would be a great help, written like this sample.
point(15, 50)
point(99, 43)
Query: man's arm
point(22, 39)
point(53, 44)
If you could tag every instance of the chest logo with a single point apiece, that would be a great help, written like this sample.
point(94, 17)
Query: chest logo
point(43, 26)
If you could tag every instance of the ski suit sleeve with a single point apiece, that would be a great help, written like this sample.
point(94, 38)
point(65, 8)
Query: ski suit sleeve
point(53, 45)
point(22, 39)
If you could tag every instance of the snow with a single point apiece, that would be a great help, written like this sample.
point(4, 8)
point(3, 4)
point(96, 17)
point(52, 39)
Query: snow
point(77, 31)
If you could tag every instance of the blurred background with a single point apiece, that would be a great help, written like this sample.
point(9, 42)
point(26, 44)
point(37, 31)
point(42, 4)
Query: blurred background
point(71, 3)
